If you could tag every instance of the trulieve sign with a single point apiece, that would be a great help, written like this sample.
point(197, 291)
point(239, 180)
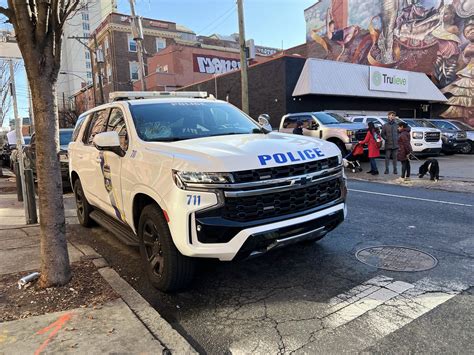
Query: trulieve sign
point(384, 79)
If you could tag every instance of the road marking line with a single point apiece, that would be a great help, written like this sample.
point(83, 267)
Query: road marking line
point(412, 198)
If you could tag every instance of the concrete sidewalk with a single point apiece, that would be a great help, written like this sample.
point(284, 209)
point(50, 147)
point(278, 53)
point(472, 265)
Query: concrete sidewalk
point(127, 325)
point(456, 174)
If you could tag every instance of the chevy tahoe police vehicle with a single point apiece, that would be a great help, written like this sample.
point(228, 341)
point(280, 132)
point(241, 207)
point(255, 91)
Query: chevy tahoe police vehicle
point(187, 178)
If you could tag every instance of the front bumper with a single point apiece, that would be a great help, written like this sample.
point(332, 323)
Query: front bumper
point(454, 146)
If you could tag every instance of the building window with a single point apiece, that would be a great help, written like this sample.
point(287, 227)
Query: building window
point(85, 16)
point(88, 65)
point(89, 75)
point(160, 44)
point(86, 34)
point(106, 45)
point(88, 55)
point(132, 45)
point(134, 72)
point(109, 73)
point(85, 26)
point(162, 69)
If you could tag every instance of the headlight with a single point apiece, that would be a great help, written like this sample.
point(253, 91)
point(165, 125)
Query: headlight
point(417, 135)
point(448, 134)
point(63, 158)
point(183, 178)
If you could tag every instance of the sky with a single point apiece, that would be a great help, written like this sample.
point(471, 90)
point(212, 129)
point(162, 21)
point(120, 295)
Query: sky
point(272, 23)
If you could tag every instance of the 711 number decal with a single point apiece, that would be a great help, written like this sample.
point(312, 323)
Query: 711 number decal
point(194, 200)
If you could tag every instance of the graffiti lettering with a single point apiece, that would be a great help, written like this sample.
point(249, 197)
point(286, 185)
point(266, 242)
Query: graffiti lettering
point(214, 65)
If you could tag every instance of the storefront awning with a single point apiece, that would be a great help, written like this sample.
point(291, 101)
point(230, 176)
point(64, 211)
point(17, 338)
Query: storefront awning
point(325, 77)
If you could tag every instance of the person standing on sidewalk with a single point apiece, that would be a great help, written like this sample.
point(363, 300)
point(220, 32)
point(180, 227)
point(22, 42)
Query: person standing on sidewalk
point(390, 135)
point(404, 150)
point(374, 151)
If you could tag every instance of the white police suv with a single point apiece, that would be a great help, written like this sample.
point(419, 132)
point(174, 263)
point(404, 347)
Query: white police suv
point(186, 178)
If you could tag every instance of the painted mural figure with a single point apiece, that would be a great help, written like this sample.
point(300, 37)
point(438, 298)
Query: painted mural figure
point(447, 34)
point(462, 89)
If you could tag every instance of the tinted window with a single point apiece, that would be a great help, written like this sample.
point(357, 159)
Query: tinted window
point(78, 127)
point(117, 123)
point(96, 125)
point(444, 125)
point(358, 119)
point(290, 122)
point(65, 137)
point(463, 126)
point(172, 121)
point(27, 139)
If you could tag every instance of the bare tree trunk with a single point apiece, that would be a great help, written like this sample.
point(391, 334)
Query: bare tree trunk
point(55, 268)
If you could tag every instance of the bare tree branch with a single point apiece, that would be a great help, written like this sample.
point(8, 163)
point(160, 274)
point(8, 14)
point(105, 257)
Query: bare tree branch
point(6, 12)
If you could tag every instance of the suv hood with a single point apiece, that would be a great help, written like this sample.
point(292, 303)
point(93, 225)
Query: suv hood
point(244, 151)
point(423, 129)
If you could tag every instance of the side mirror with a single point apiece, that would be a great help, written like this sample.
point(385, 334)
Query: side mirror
point(108, 141)
point(264, 122)
point(314, 126)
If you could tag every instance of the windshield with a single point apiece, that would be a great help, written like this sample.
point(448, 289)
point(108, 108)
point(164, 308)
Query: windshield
point(420, 123)
point(65, 137)
point(330, 118)
point(27, 139)
point(463, 126)
point(175, 121)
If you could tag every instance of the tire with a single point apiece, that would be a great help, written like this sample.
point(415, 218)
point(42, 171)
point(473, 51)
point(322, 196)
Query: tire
point(341, 147)
point(83, 207)
point(468, 148)
point(167, 269)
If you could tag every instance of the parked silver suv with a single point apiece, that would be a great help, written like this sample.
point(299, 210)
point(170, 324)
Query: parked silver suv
point(331, 127)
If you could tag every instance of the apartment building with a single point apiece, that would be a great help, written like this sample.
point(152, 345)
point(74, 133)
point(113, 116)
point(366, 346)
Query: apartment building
point(76, 64)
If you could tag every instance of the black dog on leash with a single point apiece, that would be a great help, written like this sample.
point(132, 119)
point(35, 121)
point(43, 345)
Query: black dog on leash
point(430, 166)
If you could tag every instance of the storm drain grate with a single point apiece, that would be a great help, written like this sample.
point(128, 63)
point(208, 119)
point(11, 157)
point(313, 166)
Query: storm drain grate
point(396, 258)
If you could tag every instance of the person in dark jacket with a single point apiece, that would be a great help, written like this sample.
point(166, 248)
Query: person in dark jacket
point(390, 135)
point(404, 149)
point(299, 128)
point(374, 151)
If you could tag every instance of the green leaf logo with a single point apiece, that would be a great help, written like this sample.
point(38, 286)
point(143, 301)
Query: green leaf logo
point(376, 78)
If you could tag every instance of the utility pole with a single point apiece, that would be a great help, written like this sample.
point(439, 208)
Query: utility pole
point(137, 33)
point(19, 141)
point(243, 59)
point(99, 69)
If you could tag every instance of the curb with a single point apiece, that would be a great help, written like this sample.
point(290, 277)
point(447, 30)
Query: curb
point(153, 321)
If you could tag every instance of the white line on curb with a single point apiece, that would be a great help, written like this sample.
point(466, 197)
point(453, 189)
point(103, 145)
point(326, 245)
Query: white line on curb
point(412, 198)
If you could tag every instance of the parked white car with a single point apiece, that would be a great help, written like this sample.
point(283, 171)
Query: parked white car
point(425, 139)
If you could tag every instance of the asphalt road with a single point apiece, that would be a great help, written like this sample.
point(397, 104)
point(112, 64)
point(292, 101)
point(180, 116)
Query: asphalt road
point(292, 300)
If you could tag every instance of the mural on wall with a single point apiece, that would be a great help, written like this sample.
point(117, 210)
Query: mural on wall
point(431, 36)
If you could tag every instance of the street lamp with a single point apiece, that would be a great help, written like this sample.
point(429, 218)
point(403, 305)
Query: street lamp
point(86, 97)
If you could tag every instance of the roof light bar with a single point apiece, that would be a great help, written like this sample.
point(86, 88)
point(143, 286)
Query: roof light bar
point(133, 95)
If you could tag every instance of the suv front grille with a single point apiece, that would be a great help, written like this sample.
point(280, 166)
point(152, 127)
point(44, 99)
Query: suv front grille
point(432, 136)
point(251, 208)
point(285, 171)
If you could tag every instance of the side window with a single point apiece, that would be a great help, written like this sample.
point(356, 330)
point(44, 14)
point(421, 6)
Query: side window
point(96, 125)
point(308, 121)
point(290, 122)
point(371, 119)
point(358, 119)
point(77, 128)
point(117, 123)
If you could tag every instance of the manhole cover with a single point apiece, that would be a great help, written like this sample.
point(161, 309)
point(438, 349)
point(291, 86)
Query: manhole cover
point(395, 258)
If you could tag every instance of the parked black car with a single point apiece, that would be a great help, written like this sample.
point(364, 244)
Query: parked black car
point(470, 134)
point(65, 136)
point(454, 139)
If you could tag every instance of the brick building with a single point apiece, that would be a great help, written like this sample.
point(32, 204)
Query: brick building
point(180, 65)
point(117, 51)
